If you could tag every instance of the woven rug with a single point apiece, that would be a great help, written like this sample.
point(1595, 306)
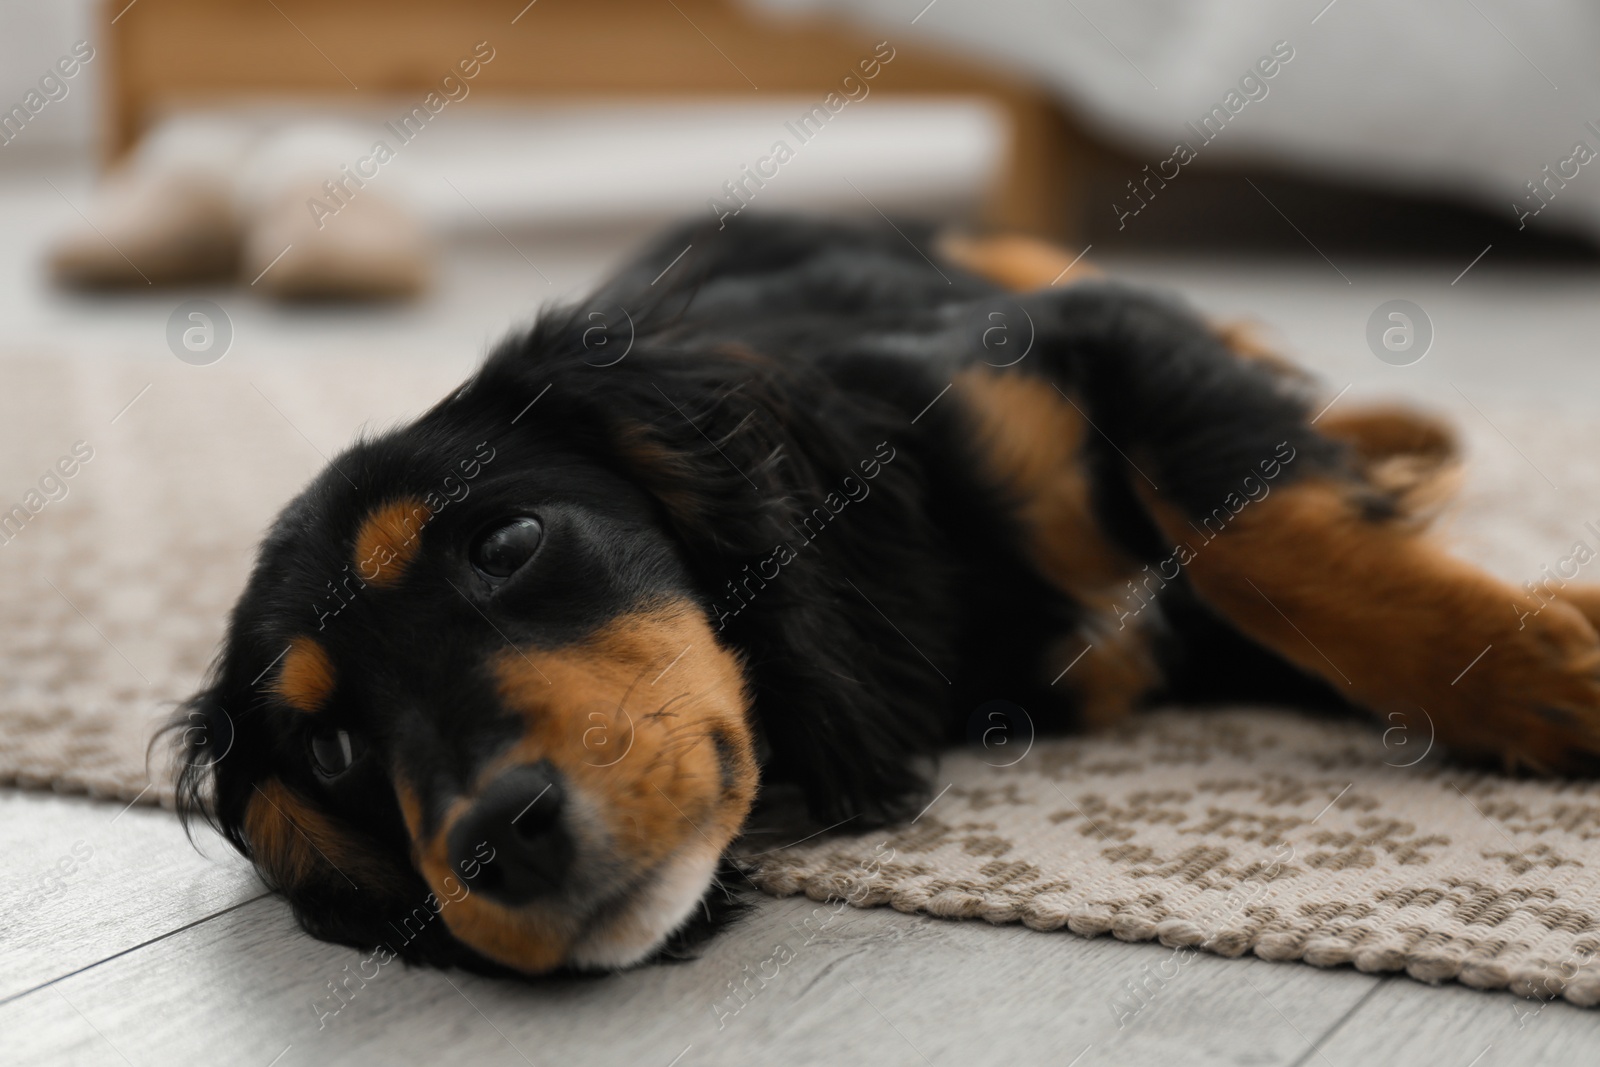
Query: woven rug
point(116, 580)
point(1232, 831)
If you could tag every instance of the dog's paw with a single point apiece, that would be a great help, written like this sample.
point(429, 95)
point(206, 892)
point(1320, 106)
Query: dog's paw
point(1531, 701)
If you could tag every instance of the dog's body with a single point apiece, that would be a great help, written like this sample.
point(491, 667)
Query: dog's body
point(793, 507)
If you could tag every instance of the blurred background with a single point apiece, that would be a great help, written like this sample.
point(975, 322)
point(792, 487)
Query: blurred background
point(415, 176)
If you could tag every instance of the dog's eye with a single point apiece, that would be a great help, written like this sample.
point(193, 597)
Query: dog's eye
point(505, 548)
point(333, 751)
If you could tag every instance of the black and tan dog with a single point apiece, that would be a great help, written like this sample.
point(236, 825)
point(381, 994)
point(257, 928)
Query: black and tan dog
point(504, 682)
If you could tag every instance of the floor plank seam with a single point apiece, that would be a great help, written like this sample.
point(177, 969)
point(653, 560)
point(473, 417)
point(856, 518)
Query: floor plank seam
point(134, 948)
point(1322, 1039)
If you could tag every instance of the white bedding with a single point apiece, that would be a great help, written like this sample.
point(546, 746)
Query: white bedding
point(1466, 98)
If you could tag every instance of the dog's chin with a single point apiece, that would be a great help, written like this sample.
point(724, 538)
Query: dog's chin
point(649, 916)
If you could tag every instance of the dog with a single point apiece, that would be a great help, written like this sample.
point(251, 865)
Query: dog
point(781, 503)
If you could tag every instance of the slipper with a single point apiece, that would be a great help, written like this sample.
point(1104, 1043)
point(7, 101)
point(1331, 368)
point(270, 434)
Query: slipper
point(367, 248)
point(151, 227)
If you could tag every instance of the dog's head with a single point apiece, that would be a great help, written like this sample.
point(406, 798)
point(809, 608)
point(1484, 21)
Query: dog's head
point(475, 706)
point(487, 698)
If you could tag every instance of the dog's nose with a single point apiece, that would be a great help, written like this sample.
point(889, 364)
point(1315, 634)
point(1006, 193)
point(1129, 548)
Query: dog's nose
point(519, 816)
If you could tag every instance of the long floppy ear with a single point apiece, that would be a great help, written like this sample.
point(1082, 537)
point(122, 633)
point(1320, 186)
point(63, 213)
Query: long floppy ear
point(749, 459)
point(201, 734)
point(722, 452)
point(709, 431)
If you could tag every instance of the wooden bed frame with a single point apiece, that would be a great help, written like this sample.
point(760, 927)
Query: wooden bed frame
point(167, 52)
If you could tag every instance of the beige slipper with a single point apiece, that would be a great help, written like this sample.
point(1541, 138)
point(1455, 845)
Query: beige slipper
point(307, 244)
point(147, 226)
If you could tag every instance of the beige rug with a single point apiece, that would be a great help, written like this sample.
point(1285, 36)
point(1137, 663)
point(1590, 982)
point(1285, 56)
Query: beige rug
point(1228, 831)
point(113, 595)
point(1234, 832)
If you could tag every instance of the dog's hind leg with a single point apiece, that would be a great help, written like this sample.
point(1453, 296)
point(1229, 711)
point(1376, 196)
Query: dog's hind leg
point(1210, 465)
point(1378, 611)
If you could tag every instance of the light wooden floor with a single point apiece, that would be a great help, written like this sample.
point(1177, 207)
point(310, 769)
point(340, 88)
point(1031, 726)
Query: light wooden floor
point(152, 952)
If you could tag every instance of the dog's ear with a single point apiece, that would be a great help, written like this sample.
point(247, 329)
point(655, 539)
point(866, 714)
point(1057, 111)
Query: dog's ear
point(723, 462)
point(741, 470)
point(202, 735)
point(712, 433)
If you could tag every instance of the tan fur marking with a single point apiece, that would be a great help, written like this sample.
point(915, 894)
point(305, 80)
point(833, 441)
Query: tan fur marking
point(294, 843)
point(389, 539)
point(667, 471)
point(1109, 668)
point(1248, 340)
point(1392, 621)
point(1032, 441)
point(1019, 263)
point(628, 717)
point(305, 680)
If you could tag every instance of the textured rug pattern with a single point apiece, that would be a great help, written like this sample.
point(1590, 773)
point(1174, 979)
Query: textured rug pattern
point(115, 581)
point(1231, 831)
point(1249, 831)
